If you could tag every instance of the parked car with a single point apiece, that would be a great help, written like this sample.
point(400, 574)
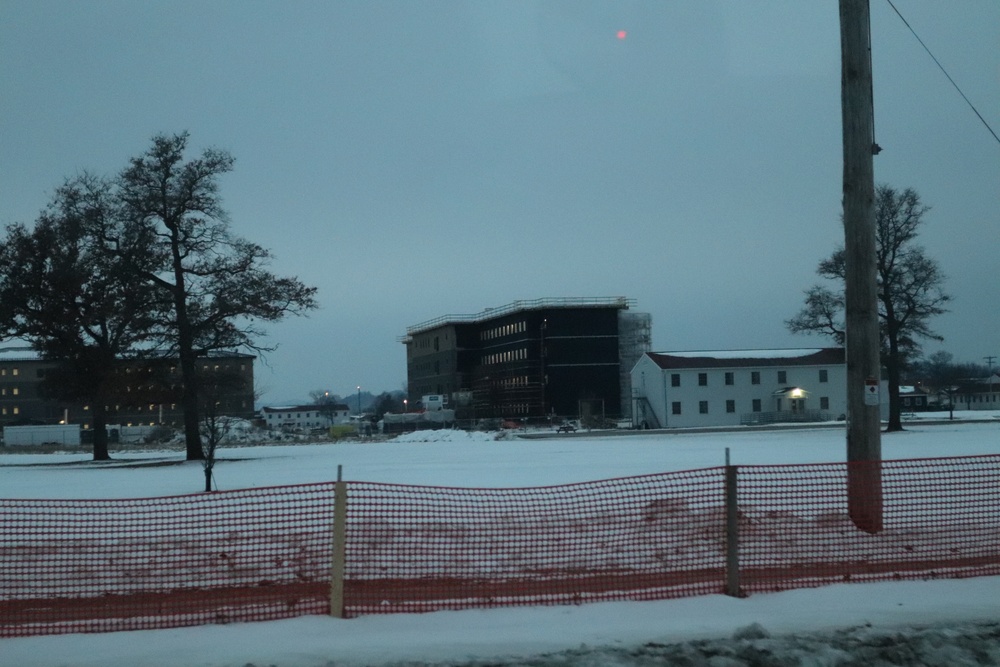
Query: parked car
point(568, 427)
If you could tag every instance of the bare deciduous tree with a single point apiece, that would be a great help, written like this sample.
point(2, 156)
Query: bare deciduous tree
point(218, 284)
point(909, 290)
point(326, 404)
point(71, 287)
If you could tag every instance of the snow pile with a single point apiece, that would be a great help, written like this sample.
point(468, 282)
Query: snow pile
point(447, 435)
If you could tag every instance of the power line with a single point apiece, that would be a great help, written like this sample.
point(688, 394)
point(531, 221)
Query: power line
point(938, 63)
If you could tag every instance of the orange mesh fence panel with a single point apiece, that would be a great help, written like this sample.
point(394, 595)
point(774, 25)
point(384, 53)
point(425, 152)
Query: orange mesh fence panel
point(941, 518)
point(103, 565)
point(425, 548)
point(259, 554)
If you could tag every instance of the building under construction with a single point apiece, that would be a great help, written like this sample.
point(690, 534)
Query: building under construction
point(557, 357)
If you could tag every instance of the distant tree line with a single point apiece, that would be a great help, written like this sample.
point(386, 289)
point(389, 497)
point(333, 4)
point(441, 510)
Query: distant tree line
point(374, 406)
point(940, 369)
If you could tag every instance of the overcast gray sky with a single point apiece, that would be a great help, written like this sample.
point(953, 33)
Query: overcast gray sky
point(416, 159)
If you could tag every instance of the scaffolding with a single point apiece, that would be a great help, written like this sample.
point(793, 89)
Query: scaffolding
point(634, 340)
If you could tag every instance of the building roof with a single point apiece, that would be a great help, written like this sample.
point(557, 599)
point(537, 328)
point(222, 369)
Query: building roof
point(991, 383)
point(28, 353)
point(20, 353)
point(618, 302)
point(824, 356)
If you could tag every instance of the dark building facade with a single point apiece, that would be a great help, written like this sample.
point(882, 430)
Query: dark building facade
point(566, 357)
point(147, 393)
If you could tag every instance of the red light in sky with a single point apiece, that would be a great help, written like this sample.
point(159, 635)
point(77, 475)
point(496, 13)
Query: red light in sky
point(622, 34)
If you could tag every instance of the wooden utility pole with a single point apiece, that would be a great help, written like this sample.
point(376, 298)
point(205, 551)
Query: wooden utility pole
point(864, 446)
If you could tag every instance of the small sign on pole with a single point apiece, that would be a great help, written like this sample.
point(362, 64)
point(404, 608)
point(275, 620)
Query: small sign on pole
point(871, 391)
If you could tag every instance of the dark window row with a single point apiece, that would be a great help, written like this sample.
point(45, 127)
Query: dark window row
point(730, 378)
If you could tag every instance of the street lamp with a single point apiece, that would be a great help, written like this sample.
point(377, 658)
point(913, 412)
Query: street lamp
point(406, 405)
point(359, 399)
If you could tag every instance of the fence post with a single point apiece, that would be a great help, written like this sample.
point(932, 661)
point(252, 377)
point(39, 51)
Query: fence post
point(732, 532)
point(339, 546)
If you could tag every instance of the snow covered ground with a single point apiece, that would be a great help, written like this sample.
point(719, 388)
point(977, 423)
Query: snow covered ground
point(905, 623)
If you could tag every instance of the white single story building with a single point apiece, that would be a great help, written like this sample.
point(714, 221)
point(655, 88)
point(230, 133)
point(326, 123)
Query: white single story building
point(305, 416)
point(979, 394)
point(733, 387)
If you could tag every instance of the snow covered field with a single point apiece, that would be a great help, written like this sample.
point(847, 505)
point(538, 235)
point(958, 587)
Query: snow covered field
point(934, 622)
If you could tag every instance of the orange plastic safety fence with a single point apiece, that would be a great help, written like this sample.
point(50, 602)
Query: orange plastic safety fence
point(940, 518)
point(422, 548)
point(258, 554)
point(104, 565)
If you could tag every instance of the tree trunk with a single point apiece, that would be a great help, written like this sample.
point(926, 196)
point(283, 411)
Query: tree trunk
point(189, 397)
point(100, 426)
point(185, 349)
point(892, 372)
